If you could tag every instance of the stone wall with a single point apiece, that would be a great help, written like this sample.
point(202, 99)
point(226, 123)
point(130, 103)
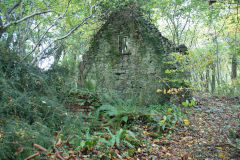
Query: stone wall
point(131, 75)
point(137, 74)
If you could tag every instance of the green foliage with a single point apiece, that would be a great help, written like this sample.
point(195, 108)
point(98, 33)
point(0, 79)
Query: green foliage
point(32, 106)
point(235, 138)
point(231, 90)
point(17, 133)
point(159, 117)
point(118, 112)
point(116, 115)
point(84, 142)
point(234, 132)
point(121, 136)
point(103, 139)
point(34, 103)
point(116, 118)
point(90, 84)
point(190, 103)
point(83, 97)
point(165, 118)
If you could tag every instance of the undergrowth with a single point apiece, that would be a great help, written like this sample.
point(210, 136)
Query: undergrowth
point(34, 109)
point(116, 125)
point(32, 106)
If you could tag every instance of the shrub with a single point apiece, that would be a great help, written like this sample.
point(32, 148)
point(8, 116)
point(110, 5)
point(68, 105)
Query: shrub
point(32, 106)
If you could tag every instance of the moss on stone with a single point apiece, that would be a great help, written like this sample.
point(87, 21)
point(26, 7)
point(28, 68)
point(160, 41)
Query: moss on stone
point(137, 73)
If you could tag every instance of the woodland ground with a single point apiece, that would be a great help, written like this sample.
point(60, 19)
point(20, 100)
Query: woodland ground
point(210, 134)
point(207, 137)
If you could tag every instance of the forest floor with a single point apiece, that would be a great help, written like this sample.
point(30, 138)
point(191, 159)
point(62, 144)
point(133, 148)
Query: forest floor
point(208, 136)
point(210, 133)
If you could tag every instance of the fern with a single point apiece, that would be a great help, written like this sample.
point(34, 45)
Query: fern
point(32, 106)
point(120, 137)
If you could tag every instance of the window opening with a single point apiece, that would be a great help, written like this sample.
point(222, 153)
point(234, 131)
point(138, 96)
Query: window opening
point(123, 44)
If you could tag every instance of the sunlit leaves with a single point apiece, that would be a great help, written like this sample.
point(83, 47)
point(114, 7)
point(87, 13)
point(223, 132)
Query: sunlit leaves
point(232, 23)
point(186, 122)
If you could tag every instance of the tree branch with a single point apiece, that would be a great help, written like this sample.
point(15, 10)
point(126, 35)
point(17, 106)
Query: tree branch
point(7, 12)
point(54, 23)
point(74, 29)
point(66, 35)
point(1, 23)
point(194, 34)
point(1, 27)
point(186, 22)
point(42, 55)
point(4, 27)
point(13, 7)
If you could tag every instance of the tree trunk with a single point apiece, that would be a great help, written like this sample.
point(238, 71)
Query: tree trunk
point(207, 79)
point(1, 32)
point(202, 81)
point(58, 55)
point(75, 74)
point(213, 78)
point(81, 76)
point(1, 27)
point(234, 67)
point(216, 63)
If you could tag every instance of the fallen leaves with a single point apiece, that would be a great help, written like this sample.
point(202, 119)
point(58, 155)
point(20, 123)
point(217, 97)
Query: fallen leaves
point(186, 122)
point(139, 150)
point(201, 136)
point(32, 156)
point(221, 155)
point(20, 149)
point(40, 148)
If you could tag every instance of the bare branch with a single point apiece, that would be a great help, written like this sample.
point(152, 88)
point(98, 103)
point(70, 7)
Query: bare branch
point(13, 7)
point(74, 29)
point(194, 33)
point(186, 22)
point(24, 18)
point(169, 26)
point(54, 23)
point(37, 25)
point(1, 27)
point(42, 53)
point(66, 35)
point(1, 23)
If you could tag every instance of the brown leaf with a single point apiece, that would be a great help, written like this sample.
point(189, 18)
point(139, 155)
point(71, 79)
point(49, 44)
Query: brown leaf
point(185, 157)
point(59, 143)
point(67, 143)
point(40, 148)
point(56, 134)
point(71, 157)
point(59, 156)
point(18, 151)
point(32, 156)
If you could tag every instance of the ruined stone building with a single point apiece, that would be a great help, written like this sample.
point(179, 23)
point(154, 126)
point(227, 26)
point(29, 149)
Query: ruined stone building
point(128, 55)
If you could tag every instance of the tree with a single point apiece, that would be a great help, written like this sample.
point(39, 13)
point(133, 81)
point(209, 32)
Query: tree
point(39, 23)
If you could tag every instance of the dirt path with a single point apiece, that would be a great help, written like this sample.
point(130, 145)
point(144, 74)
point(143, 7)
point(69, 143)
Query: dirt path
point(212, 121)
point(207, 136)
